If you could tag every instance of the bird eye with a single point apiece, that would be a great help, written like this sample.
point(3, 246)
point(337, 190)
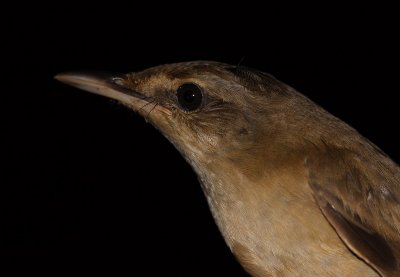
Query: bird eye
point(190, 97)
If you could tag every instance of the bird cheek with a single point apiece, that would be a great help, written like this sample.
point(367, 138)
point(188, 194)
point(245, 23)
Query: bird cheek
point(243, 132)
point(209, 140)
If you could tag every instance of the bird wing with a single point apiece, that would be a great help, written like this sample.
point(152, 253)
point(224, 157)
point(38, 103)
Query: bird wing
point(360, 196)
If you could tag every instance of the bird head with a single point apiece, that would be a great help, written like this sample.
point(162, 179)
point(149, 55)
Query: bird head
point(210, 111)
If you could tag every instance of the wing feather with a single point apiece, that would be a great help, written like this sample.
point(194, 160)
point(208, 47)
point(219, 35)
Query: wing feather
point(359, 195)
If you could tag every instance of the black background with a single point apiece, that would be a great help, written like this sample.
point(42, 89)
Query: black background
point(88, 188)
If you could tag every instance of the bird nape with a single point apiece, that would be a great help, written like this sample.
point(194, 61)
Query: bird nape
point(294, 190)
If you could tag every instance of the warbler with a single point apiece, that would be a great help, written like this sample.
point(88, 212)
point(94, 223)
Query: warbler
point(294, 190)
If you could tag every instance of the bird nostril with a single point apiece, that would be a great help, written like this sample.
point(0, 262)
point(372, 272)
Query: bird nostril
point(117, 80)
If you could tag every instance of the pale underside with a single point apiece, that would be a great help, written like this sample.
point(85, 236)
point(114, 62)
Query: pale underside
point(278, 230)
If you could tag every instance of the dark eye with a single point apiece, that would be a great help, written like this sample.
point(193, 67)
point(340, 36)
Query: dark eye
point(190, 97)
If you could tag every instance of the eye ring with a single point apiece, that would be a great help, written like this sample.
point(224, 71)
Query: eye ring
point(190, 97)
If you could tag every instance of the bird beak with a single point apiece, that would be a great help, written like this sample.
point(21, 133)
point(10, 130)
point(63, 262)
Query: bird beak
point(109, 85)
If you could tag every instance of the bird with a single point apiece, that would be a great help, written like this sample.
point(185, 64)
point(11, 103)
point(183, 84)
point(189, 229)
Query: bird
point(294, 190)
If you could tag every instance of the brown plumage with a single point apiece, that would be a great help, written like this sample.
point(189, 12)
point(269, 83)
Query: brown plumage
point(294, 190)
